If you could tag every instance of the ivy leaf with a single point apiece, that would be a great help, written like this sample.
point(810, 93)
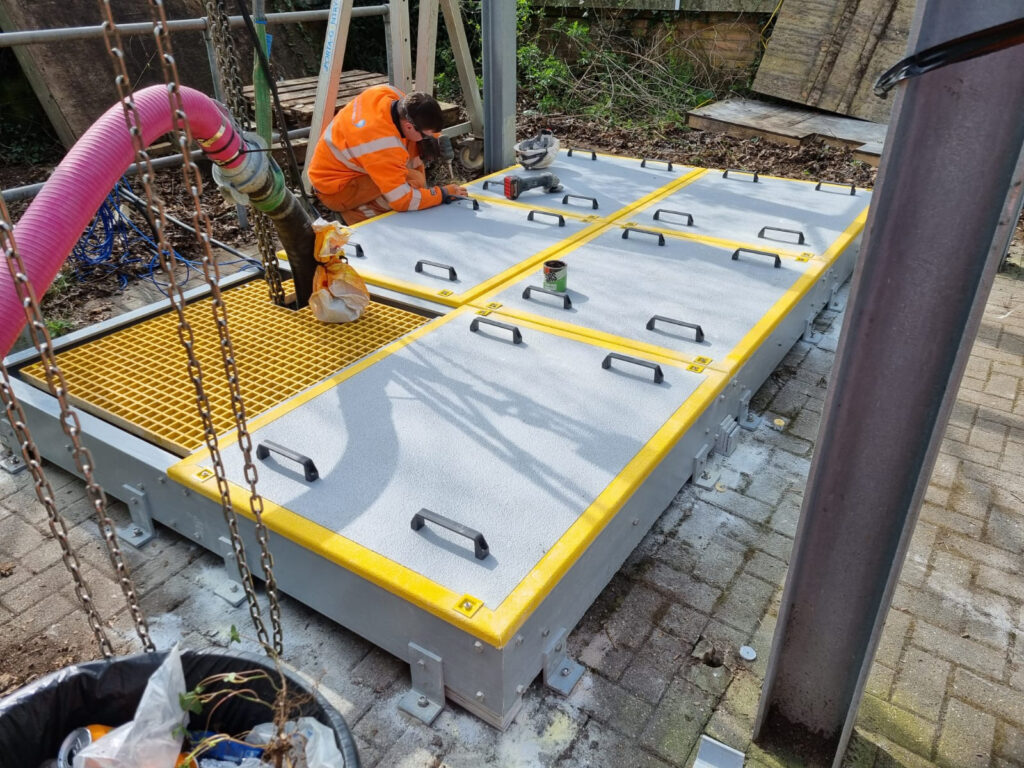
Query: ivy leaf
point(233, 635)
point(190, 702)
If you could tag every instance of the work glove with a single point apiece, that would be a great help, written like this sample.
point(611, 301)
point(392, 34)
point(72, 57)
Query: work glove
point(451, 192)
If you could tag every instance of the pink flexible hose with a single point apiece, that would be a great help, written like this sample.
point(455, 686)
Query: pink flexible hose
point(54, 221)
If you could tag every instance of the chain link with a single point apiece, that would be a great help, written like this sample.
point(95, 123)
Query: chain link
point(227, 61)
point(29, 451)
point(268, 255)
point(72, 428)
point(201, 223)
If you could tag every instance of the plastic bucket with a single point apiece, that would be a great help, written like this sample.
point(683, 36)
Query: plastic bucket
point(35, 719)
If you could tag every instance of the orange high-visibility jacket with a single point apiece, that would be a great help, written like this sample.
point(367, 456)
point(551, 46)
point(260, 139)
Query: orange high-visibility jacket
point(363, 140)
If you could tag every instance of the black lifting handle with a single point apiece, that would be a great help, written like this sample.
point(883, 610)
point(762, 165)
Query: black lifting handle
point(498, 182)
point(593, 155)
point(451, 270)
point(817, 187)
point(561, 218)
point(658, 375)
point(359, 250)
point(480, 548)
point(265, 448)
point(517, 337)
point(627, 230)
point(473, 200)
point(725, 175)
point(645, 161)
point(797, 232)
point(566, 301)
point(738, 251)
point(689, 217)
point(699, 332)
point(567, 198)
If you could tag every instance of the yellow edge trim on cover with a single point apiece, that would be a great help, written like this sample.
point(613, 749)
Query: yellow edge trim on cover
point(535, 586)
point(721, 242)
point(494, 627)
point(601, 337)
point(458, 299)
point(650, 197)
point(660, 192)
point(849, 234)
point(783, 178)
point(771, 319)
point(516, 166)
point(576, 214)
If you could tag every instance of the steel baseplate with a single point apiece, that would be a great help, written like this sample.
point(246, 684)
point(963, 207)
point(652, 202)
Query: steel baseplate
point(12, 463)
point(459, 490)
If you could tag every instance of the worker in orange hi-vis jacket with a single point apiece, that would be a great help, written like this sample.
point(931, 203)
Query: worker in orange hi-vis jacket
point(369, 160)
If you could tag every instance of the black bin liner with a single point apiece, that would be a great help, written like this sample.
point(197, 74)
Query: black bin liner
point(35, 719)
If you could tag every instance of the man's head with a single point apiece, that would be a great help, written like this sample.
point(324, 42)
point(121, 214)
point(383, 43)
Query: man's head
point(420, 115)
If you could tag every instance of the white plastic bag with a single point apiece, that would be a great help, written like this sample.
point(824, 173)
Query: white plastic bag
point(153, 738)
point(321, 751)
point(339, 294)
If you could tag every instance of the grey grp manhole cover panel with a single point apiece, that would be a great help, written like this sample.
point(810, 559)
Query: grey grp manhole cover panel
point(477, 244)
point(515, 441)
point(736, 209)
point(614, 182)
point(617, 285)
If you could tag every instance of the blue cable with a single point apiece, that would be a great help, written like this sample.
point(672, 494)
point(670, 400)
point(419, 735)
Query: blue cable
point(105, 248)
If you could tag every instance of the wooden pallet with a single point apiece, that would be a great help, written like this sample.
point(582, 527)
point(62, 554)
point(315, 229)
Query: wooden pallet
point(790, 125)
point(298, 96)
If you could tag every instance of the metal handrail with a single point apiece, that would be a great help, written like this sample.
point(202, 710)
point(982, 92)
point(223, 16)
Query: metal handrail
point(35, 36)
point(16, 194)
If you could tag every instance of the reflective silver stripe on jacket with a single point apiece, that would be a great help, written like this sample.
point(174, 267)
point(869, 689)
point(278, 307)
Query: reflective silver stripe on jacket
point(397, 193)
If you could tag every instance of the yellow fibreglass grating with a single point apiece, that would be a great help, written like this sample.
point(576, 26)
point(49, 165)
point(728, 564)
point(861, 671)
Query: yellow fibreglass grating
point(138, 377)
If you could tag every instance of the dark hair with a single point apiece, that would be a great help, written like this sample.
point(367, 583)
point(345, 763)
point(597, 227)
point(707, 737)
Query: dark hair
point(423, 110)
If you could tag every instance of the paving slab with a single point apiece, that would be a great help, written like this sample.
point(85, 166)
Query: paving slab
point(947, 687)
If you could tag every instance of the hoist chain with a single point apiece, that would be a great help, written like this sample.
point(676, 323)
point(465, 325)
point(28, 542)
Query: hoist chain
point(268, 255)
point(227, 61)
point(201, 223)
point(29, 451)
point(228, 65)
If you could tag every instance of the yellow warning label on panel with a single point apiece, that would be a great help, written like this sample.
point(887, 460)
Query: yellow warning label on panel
point(494, 305)
point(445, 292)
point(483, 312)
point(703, 360)
point(695, 368)
point(204, 473)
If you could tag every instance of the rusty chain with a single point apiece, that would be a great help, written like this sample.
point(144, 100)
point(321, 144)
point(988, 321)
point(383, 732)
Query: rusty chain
point(29, 451)
point(201, 224)
point(227, 61)
point(83, 458)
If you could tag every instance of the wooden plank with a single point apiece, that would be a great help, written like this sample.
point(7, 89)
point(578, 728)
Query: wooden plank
point(785, 124)
point(426, 45)
point(828, 53)
point(869, 153)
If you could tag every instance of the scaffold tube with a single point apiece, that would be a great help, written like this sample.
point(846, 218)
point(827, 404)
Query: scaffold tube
point(54, 221)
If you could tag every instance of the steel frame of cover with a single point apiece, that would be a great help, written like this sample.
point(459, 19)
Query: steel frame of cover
point(484, 654)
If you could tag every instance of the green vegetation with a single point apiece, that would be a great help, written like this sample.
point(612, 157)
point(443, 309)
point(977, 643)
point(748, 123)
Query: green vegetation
point(58, 326)
point(615, 67)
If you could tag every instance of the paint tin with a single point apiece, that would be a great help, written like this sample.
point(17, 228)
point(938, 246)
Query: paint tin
point(555, 275)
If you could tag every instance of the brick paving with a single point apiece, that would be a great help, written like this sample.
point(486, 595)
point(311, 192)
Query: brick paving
point(660, 645)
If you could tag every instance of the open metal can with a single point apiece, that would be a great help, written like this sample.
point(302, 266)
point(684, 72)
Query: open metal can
point(78, 740)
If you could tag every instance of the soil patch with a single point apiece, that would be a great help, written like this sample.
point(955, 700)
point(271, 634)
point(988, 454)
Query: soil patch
point(21, 662)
